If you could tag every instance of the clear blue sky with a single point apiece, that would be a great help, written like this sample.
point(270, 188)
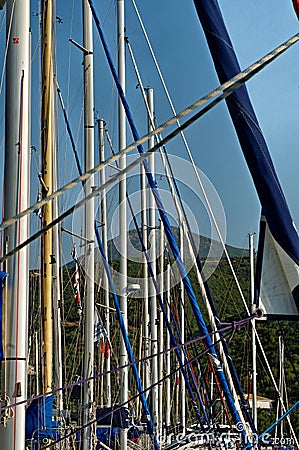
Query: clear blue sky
point(255, 27)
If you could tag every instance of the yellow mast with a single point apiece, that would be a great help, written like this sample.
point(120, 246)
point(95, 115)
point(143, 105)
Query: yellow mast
point(47, 171)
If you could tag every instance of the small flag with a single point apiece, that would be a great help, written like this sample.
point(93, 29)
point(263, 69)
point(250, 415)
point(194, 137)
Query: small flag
point(99, 329)
point(15, 40)
point(296, 7)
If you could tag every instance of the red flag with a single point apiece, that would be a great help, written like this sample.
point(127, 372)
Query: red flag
point(296, 7)
point(107, 350)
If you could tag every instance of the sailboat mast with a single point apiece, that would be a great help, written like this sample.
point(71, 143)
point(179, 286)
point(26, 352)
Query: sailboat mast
point(146, 364)
point(152, 291)
point(16, 198)
point(122, 212)
point(89, 306)
point(161, 330)
point(254, 386)
point(107, 379)
point(168, 362)
point(57, 313)
point(47, 176)
point(182, 319)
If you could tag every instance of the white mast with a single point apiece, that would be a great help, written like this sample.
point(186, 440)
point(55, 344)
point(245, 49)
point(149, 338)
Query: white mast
point(146, 364)
point(107, 379)
point(89, 305)
point(254, 387)
point(281, 377)
point(182, 318)
point(152, 292)
point(168, 360)
point(161, 329)
point(16, 189)
point(123, 358)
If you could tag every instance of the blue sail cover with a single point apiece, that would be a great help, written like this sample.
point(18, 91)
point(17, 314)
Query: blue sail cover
point(278, 295)
point(2, 278)
point(114, 416)
point(39, 423)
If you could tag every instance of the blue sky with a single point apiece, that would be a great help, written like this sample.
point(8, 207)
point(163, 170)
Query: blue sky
point(255, 27)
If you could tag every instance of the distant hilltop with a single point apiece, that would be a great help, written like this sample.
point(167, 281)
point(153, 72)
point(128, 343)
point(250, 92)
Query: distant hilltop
point(206, 247)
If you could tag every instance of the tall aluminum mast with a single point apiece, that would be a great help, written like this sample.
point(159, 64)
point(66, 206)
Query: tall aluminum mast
point(123, 358)
point(107, 378)
point(89, 305)
point(152, 291)
point(253, 333)
point(16, 198)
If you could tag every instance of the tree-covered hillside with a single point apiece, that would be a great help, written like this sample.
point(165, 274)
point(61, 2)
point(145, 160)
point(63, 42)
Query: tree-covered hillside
point(230, 308)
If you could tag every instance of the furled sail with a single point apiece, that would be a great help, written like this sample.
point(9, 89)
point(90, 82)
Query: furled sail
point(277, 277)
point(278, 265)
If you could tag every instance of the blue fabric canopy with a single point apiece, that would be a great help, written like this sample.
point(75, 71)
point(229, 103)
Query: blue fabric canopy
point(39, 424)
point(114, 416)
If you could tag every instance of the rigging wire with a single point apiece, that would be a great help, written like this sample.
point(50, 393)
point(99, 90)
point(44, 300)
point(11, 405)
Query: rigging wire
point(68, 126)
point(69, 56)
